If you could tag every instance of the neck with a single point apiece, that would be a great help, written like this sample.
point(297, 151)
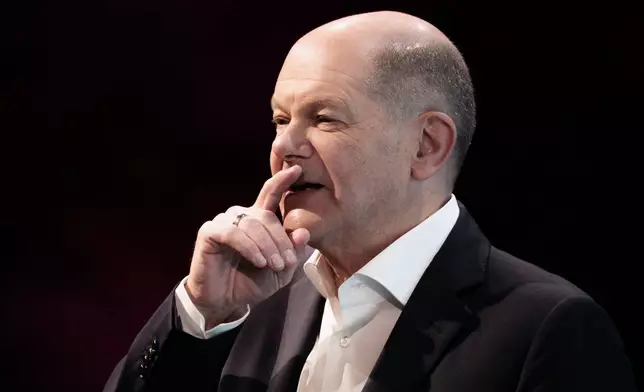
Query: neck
point(355, 248)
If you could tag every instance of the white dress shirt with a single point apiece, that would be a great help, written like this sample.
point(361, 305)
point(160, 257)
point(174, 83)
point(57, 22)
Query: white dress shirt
point(357, 322)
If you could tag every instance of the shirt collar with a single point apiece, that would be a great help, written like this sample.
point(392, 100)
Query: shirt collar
point(399, 267)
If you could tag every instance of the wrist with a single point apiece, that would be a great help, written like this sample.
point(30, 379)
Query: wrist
point(214, 320)
point(220, 312)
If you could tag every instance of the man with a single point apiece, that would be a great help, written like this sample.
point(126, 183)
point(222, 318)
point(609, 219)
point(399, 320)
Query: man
point(373, 116)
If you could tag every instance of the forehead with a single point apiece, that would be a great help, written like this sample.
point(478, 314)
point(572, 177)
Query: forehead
point(321, 74)
point(320, 55)
point(314, 93)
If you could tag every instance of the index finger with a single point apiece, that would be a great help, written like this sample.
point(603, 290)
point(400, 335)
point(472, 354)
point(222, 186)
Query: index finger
point(271, 193)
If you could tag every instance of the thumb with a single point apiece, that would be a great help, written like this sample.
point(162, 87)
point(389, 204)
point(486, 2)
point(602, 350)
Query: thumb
point(300, 238)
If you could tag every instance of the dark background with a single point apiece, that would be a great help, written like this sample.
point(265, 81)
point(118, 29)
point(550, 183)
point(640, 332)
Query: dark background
point(126, 124)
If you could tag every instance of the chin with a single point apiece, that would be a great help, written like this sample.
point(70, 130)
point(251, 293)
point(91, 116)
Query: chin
point(299, 218)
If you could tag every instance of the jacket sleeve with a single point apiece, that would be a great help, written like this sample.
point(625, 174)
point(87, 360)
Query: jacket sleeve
point(164, 358)
point(577, 348)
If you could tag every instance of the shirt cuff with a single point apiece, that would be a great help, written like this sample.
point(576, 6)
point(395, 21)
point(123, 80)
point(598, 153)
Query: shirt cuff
point(193, 321)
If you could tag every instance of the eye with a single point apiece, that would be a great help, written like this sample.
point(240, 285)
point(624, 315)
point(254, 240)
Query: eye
point(280, 121)
point(323, 119)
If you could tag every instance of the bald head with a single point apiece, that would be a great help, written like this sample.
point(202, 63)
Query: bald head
point(374, 29)
point(412, 68)
point(371, 107)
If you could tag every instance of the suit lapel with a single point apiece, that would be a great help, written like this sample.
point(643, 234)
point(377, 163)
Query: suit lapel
point(275, 340)
point(435, 313)
point(301, 328)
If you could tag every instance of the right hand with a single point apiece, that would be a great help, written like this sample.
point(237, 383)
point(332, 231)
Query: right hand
point(236, 266)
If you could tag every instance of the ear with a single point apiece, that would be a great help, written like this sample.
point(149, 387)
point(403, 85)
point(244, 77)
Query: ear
point(436, 140)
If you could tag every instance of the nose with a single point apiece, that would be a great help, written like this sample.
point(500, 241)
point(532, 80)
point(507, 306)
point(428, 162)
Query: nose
point(292, 144)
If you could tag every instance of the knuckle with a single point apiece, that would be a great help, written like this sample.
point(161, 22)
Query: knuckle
point(267, 245)
point(204, 227)
point(234, 209)
point(214, 224)
point(251, 252)
point(208, 228)
point(249, 246)
point(219, 218)
point(284, 242)
point(226, 235)
point(251, 223)
point(267, 216)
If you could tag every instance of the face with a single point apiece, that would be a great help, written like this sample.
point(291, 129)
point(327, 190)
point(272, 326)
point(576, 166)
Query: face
point(356, 163)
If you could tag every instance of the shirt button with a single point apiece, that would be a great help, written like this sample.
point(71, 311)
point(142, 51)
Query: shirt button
point(344, 342)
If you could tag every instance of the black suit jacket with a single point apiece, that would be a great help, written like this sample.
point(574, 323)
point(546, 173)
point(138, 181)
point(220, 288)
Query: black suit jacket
point(479, 320)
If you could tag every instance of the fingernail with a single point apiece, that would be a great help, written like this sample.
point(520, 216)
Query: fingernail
point(290, 257)
point(278, 263)
point(260, 261)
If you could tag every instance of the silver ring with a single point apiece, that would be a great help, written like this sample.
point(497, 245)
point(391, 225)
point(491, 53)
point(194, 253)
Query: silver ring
point(239, 218)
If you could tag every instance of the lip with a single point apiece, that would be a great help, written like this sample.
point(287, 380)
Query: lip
point(304, 192)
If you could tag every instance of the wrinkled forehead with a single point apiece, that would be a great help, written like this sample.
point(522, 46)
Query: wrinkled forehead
point(329, 70)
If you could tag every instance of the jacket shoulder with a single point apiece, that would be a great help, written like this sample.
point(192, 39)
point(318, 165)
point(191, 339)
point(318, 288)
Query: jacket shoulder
point(512, 275)
point(521, 293)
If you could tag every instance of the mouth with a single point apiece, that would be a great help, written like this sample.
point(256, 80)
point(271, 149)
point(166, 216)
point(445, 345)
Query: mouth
point(301, 187)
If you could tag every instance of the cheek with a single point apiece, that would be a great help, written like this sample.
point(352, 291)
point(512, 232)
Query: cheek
point(276, 163)
point(366, 172)
point(347, 168)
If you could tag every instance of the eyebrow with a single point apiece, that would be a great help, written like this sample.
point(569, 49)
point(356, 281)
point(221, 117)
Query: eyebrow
point(317, 104)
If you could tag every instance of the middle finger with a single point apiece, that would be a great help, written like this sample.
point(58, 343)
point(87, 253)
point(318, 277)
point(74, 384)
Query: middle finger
point(256, 231)
point(277, 232)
